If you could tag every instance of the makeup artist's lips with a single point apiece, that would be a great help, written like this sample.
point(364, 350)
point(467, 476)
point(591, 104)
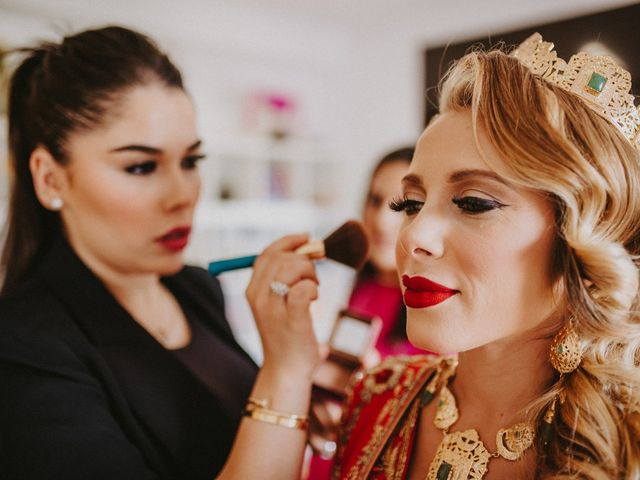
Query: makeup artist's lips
point(176, 239)
point(422, 292)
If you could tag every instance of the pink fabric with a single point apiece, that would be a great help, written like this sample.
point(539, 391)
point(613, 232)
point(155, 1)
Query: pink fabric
point(372, 298)
point(319, 468)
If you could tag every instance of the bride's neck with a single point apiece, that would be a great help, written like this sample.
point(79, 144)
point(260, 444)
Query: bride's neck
point(507, 375)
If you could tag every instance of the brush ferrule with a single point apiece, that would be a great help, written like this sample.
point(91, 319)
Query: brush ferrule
point(313, 249)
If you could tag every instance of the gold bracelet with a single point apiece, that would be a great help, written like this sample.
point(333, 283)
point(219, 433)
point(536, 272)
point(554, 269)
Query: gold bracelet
point(256, 410)
point(253, 402)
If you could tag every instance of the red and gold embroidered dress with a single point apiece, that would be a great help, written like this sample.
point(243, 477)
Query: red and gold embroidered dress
point(380, 419)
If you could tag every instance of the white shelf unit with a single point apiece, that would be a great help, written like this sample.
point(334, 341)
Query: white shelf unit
point(252, 166)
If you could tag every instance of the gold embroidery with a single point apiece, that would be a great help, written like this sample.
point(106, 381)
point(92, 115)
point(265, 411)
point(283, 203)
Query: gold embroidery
point(397, 457)
point(372, 445)
point(382, 378)
point(399, 376)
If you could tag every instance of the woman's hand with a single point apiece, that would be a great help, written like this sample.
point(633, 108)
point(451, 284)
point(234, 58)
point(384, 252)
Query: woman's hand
point(291, 353)
point(284, 321)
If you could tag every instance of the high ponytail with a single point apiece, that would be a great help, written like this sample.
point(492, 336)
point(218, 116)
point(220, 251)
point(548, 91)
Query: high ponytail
point(28, 223)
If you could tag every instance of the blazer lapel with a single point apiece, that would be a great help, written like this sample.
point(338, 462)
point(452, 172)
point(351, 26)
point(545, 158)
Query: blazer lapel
point(177, 411)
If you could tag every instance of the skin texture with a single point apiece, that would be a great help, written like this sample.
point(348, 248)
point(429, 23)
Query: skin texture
point(500, 262)
point(380, 223)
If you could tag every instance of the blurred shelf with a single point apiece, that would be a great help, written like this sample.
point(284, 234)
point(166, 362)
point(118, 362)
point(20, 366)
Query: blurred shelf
point(261, 214)
point(243, 227)
point(248, 166)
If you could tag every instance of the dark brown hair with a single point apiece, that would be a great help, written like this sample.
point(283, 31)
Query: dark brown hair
point(59, 89)
point(404, 154)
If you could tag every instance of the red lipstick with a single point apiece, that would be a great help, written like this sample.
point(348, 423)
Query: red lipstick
point(176, 239)
point(422, 292)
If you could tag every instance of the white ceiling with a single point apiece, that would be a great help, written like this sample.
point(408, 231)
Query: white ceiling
point(427, 21)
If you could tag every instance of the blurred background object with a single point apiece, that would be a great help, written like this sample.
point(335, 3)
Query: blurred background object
point(296, 98)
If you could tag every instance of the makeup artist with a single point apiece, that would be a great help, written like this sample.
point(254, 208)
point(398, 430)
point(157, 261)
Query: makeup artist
point(116, 361)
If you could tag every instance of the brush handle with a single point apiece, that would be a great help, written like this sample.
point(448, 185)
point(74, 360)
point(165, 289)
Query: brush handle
point(219, 266)
point(314, 250)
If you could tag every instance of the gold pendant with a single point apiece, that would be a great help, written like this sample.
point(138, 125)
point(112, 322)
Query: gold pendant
point(446, 409)
point(511, 442)
point(460, 456)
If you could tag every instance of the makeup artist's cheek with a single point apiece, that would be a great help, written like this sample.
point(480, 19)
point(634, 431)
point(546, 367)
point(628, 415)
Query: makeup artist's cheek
point(119, 206)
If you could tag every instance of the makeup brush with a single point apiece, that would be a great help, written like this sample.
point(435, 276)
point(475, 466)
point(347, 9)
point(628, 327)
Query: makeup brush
point(348, 245)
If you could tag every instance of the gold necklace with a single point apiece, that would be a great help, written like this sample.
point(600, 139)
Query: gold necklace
point(462, 455)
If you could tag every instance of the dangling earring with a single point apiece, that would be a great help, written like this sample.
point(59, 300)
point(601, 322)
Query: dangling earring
point(56, 203)
point(565, 354)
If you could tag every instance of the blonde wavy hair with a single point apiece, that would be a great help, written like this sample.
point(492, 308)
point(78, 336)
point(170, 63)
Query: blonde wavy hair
point(554, 143)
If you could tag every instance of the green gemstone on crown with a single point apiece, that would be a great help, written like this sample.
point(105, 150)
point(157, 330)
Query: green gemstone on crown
point(443, 471)
point(560, 348)
point(596, 83)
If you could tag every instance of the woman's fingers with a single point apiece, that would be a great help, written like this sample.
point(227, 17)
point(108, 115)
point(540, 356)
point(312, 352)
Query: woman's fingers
point(299, 299)
point(285, 268)
point(280, 293)
point(291, 268)
point(288, 243)
point(278, 263)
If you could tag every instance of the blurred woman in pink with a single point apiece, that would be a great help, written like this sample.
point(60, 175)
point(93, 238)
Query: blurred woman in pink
point(377, 289)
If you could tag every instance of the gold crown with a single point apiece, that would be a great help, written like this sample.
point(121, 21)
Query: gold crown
point(598, 80)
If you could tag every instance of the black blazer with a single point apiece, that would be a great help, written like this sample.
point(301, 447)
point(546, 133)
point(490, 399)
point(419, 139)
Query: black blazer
point(87, 393)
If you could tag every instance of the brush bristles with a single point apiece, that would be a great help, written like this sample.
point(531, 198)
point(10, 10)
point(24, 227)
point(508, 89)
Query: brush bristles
point(348, 245)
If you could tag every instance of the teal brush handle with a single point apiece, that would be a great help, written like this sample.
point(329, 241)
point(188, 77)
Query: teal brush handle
point(219, 266)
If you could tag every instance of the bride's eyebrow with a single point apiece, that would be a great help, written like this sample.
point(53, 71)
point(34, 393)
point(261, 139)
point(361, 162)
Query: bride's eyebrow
point(462, 175)
point(459, 176)
point(412, 179)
